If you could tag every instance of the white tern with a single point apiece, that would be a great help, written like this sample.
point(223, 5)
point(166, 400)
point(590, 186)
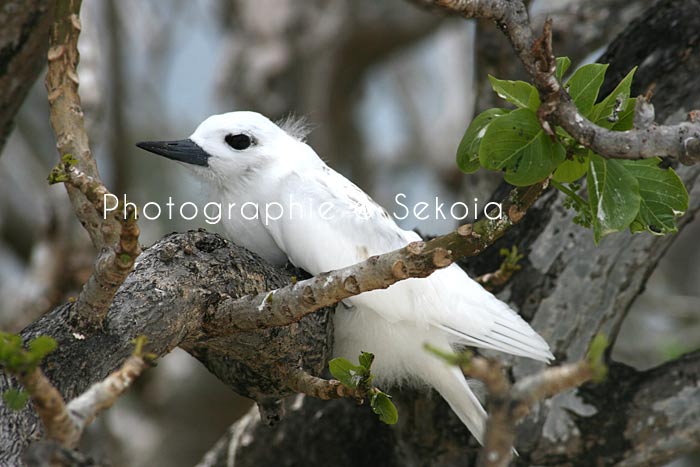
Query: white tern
point(245, 158)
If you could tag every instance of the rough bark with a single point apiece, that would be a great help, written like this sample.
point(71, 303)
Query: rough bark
point(570, 290)
point(165, 299)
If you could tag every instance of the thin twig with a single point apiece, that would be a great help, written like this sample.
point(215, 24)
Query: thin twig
point(65, 423)
point(508, 404)
point(324, 389)
point(100, 396)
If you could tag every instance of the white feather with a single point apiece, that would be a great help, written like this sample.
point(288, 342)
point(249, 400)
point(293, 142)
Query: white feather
point(446, 309)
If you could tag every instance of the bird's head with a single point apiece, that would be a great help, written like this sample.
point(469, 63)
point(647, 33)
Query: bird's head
point(229, 146)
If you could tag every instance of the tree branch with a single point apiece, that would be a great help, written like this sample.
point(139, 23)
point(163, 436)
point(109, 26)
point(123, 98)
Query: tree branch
point(102, 395)
point(112, 265)
point(166, 298)
point(115, 237)
point(681, 141)
point(418, 259)
point(64, 424)
point(508, 404)
point(324, 389)
point(49, 405)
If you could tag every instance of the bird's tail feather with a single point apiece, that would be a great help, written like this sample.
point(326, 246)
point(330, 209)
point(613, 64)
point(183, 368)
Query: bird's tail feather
point(452, 386)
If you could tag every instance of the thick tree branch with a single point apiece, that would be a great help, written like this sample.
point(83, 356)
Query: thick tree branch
point(165, 298)
point(681, 141)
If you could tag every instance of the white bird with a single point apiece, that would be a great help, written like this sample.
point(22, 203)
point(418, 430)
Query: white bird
point(246, 158)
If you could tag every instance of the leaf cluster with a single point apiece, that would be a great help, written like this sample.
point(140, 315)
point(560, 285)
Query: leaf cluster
point(620, 194)
point(360, 377)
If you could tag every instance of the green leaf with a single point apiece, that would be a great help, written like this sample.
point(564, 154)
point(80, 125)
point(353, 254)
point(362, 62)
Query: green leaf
point(366, 360)
point(663, 196)
point(613, 195)
point(595, 357)
point(15, 398)
point(603, 112)
point(519, 93)
point(517, 143)
point(572, 169)
point(381, 405)
point(347, 373)
point(41, 346)
point(563, 64)
point(468, 150)
point(10, 344)
point(584, 85)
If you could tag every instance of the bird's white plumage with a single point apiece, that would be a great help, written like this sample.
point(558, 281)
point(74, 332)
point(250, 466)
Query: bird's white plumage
point(446, 309)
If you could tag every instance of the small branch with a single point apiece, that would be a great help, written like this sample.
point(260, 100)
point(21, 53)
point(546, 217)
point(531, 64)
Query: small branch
point(112, 265)
point(681, 141)
point(115, 237)
point(50, 407)
point(66, 113)
point(65, 423)
point(508, 404)
point(100, 396)
point(419, 259)
point(545, 79)
point(494, 281)
point(324, 389)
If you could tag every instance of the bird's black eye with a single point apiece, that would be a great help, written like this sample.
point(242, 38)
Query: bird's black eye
point(239, 141)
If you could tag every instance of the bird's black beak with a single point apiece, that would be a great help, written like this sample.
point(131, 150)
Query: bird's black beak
point(184, 150)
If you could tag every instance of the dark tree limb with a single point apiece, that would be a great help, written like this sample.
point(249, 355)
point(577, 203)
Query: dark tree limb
point(166, 298)
point(24, 30)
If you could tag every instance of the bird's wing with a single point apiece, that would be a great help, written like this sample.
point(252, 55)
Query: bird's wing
point(358, 228)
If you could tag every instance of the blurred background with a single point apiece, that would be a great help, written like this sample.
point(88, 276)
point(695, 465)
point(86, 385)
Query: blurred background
point(388, 89)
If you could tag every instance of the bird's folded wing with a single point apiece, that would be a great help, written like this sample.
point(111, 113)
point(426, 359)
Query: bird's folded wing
point(354, 228)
